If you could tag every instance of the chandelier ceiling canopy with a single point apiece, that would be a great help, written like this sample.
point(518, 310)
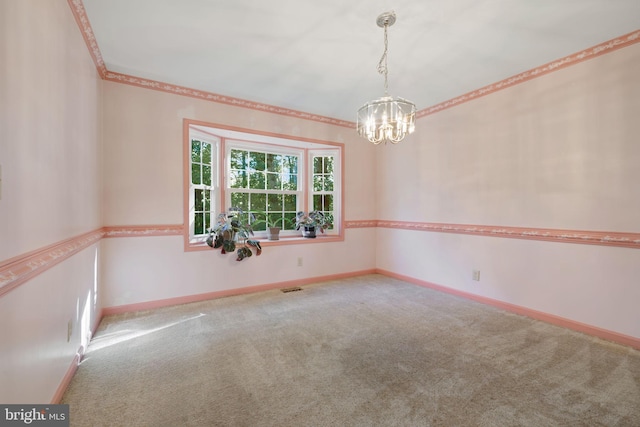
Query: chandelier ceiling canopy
point(386, 119)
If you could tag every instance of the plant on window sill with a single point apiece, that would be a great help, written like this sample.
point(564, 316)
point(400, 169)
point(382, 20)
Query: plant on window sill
point(312, 222)
point(233, 230)
point(273, 224)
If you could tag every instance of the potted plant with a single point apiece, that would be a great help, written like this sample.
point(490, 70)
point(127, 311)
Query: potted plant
point(231, 230)
point(312, 222)
point(273, 224)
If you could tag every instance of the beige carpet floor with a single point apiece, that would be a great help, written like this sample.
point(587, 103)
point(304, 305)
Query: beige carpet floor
point(365, 351)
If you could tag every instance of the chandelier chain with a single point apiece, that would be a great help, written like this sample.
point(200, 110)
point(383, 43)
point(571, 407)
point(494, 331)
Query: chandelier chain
point(382, 65)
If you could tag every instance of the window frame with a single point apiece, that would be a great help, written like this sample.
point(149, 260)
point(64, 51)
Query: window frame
point(223, 138)
point(230, 144)
point(337, 180)
point(215, 187)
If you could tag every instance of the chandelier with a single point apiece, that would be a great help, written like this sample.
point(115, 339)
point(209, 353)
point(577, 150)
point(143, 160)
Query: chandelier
point(386, 119)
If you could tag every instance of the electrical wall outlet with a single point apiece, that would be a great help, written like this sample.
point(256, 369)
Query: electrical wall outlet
point(476, 275)
point(299, 261)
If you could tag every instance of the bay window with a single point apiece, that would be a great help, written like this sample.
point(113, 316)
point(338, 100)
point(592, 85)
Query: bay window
point(268, 176)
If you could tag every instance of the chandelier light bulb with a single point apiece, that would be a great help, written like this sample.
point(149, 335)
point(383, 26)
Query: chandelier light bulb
point(386, 119)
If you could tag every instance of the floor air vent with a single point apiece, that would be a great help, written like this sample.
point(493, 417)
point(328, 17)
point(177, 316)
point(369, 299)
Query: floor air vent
point(292, 289)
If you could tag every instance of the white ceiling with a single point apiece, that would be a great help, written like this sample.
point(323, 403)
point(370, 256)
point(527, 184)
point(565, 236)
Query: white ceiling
point(321, 56)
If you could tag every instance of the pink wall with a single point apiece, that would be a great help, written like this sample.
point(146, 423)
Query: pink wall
point(559, 151)
point(143, 152)
point(143, 186)
point(78, 154)
point(49, 153)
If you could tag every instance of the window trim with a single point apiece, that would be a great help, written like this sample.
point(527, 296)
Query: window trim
point(338, 177)
point(231, 143)
point(251, 136)
point(215, 187)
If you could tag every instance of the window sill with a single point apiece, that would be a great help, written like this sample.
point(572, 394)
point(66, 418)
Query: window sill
point(288, 240)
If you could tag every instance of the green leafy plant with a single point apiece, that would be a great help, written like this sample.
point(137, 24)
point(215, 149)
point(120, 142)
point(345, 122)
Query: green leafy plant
point(271, 220)
point(233, 230)
point(273, 223)
point(316, 219)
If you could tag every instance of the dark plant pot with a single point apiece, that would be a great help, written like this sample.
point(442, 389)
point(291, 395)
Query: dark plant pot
point(309, 232)
point(273, 233)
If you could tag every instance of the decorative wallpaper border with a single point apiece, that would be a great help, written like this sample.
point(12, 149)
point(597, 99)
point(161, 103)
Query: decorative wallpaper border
point(592, 52)
point(143, 230)
point(80, 15)
point(221, 99)
point(360, 224)
point(604, 238)
point(20, 269)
